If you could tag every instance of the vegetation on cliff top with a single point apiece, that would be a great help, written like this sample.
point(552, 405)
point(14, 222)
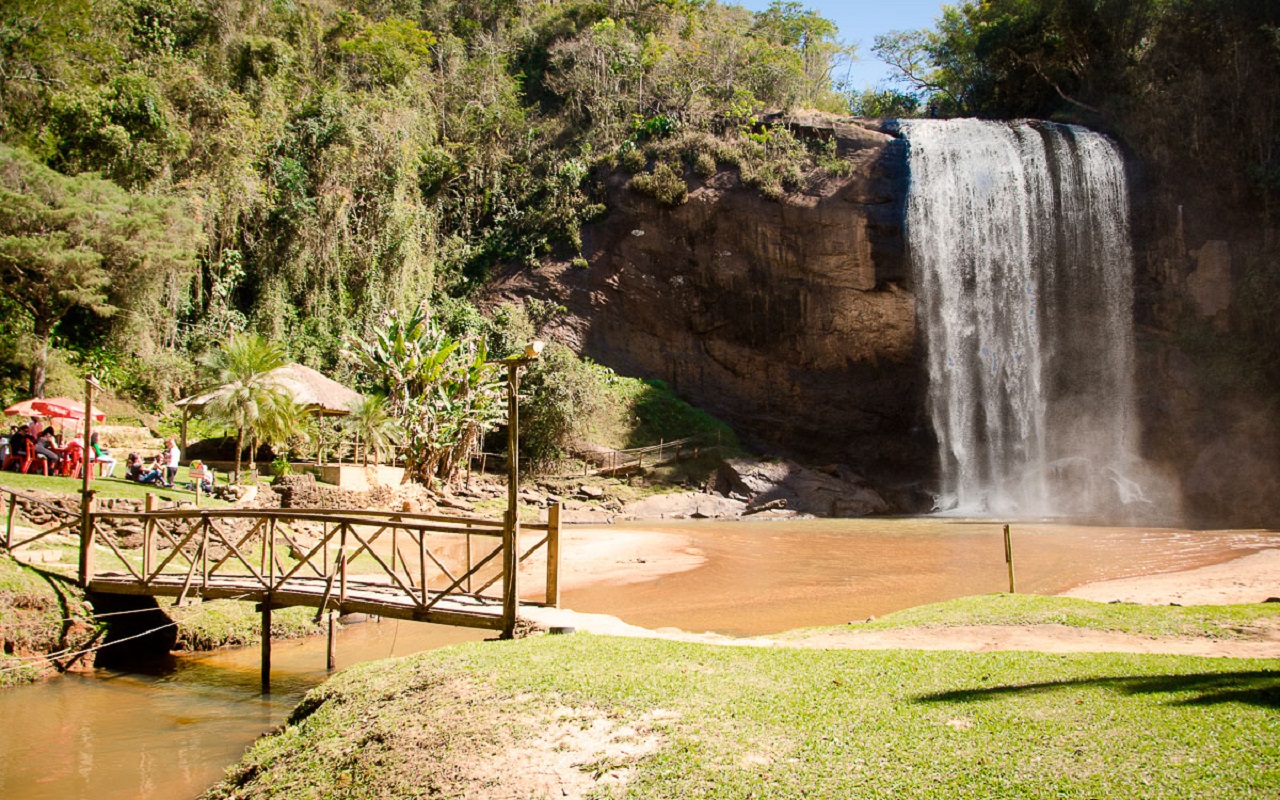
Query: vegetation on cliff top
point(336, 159)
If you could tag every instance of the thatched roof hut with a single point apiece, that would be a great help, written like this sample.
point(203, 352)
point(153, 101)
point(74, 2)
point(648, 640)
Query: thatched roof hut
point(308, 388)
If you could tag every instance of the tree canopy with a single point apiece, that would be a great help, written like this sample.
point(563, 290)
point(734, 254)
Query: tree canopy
point(80, 242)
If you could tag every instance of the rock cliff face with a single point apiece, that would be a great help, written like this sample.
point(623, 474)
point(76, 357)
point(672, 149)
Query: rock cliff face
point(793, 319)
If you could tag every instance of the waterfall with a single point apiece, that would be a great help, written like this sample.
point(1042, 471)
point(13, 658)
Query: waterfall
point(1018, 236)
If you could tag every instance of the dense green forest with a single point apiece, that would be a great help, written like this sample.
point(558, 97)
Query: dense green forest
point(323, 162)
point(177, 170)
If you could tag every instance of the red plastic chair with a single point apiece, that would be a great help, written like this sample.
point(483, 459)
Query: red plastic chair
point(71, 460)
point(25, 461)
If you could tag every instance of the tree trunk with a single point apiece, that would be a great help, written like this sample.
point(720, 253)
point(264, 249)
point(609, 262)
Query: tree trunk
point(40, 359)
point(239, 449)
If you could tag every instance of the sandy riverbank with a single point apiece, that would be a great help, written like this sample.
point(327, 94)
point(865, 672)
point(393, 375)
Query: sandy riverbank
point(630, 556)
point(1251, 579)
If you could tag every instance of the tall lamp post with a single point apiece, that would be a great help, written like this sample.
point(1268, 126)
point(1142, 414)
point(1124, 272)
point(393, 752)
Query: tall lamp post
point(511, 526)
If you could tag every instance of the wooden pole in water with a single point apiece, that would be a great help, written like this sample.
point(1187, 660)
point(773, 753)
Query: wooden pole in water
point(333, 648)
point(1008, 557)
point(266, 645)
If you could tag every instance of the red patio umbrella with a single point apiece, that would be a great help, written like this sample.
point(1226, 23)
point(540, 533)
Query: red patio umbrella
point(64, 408)
point(24, 409)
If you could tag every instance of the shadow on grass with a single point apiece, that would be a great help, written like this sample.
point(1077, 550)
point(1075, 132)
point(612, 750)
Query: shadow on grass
point(1259, 688)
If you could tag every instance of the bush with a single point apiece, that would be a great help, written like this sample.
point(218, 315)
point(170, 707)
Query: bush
point(665, 184)
point(634, 159)
point(704, 165)
point(568, 403)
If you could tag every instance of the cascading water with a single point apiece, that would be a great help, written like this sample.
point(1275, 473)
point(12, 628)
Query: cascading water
point(1019, 240)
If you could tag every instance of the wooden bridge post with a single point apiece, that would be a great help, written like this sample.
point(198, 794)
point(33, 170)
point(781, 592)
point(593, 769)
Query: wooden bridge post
point(553, 555)
point(86, 538)
point(332, 662)
point(269, 551)
point(422, 564)
point(148, 537)
point(8, 529)
point(266, 644)
point(341, 563)
point(510, 574)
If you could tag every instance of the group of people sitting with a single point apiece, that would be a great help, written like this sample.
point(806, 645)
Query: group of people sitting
point(42, 443)
point(162, 470)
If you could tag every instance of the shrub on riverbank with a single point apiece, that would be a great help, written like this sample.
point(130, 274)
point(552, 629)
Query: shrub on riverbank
point(588, 716)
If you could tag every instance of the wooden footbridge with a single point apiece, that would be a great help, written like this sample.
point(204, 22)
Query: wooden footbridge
point(441, 569)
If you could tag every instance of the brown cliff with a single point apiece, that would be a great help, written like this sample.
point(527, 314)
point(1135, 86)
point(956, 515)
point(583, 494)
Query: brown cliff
point(790, 319)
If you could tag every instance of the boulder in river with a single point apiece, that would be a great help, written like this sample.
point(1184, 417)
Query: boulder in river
point(807, 491)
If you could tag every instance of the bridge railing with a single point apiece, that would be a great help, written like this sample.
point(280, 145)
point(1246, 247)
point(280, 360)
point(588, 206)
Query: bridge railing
point(434, 566)
point(424, 561)
point(68, 521)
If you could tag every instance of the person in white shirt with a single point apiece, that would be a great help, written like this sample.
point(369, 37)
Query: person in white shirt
point(173, 454)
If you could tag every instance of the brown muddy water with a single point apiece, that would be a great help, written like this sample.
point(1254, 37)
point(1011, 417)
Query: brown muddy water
point(171, 733)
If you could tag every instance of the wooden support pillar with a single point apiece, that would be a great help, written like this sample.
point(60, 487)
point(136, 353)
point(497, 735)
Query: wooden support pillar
point(86, 494)
point(266, 645)
point(86, 538)
point(510, 528)
point(332, 662)
point(149, 538)
point(553, 555)
point(8, 529)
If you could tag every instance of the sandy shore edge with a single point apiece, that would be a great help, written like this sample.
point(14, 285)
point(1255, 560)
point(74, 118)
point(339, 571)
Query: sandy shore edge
point(1249, 579)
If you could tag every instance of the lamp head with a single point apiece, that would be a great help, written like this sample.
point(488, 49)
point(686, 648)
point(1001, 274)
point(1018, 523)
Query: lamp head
point(534, 349)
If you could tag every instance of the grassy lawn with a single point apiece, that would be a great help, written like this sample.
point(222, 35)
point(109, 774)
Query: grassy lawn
point(106, 487)
point(682, 720)
point(1224, 622)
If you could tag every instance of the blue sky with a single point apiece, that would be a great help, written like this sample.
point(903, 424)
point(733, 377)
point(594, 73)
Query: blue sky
point(859, 22)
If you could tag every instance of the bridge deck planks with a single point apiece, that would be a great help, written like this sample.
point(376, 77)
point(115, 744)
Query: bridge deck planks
point(362, 597)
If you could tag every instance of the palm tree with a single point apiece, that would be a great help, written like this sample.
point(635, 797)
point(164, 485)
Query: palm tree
point(245, 398)
point(371, 422)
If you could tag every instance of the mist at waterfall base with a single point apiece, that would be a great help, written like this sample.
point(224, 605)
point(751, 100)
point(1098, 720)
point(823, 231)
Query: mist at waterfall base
point(1018, 235)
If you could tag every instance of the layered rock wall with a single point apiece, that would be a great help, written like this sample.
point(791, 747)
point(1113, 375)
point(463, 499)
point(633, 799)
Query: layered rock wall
point(793, 319)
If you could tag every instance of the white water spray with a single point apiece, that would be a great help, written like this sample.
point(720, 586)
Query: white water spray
point(1019, 241)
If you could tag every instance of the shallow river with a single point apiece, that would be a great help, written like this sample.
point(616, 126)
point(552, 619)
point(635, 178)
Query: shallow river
point(171, 734)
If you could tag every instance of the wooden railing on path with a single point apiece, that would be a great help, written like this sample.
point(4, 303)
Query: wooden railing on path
point(71, 523)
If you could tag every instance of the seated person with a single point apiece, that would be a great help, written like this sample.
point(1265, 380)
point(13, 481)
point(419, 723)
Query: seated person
point(20, 443)
point(45, 447)
point(135, 470)
point(133, 467)
point(156, 474)
point(101, 455)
